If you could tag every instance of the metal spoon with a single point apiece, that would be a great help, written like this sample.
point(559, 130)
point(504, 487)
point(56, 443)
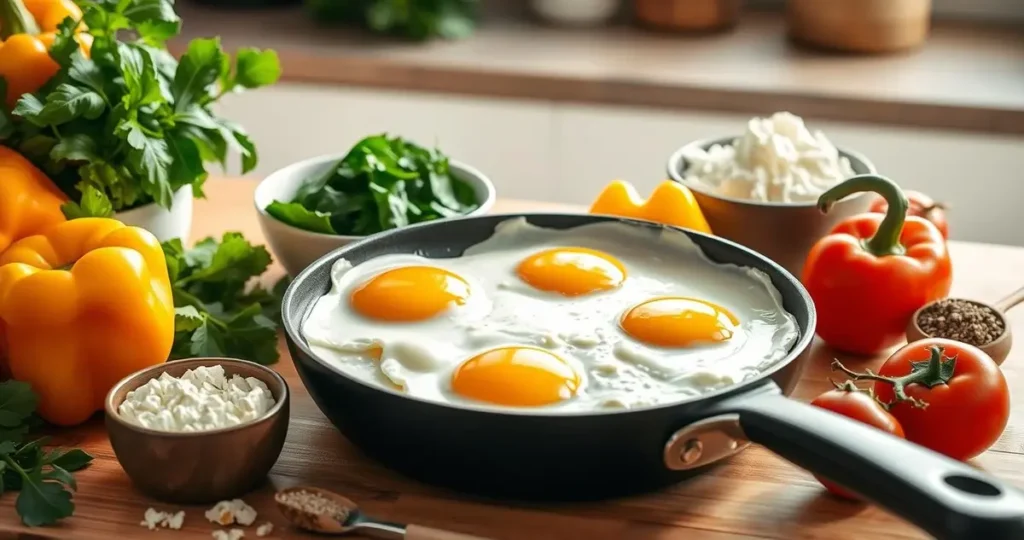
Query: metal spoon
point(339, 516)
point(998, 348)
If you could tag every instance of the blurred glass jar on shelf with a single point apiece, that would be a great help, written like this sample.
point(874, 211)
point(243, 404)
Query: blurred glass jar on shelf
point(578, 13)
point(688, 15)
point(419, 20)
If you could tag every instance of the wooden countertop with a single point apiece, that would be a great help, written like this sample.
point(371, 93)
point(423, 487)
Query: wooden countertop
point(755, 495)
point(967, 77)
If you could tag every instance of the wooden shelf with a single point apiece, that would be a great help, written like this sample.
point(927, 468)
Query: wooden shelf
point(967, 77)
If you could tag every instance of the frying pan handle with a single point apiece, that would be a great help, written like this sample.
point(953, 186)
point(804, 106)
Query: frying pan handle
point(946, 498)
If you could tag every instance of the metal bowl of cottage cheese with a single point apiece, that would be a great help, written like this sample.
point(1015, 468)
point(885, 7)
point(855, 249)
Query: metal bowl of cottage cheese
point(760, 189)
point(198, 430)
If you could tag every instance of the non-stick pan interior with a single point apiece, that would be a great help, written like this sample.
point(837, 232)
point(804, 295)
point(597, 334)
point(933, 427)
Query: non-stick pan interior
point(450, 238)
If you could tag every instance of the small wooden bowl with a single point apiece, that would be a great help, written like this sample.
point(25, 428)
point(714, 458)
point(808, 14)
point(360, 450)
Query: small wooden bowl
point(688, 15)
point(199, 467)
point(860, 26)
point(998, 349)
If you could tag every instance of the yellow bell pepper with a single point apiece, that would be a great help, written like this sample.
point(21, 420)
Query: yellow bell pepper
point(28, 30)
point(83, 305)
point(671, 203)
point(29, 201)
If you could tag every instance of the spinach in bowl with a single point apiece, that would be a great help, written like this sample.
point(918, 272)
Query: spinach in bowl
point(382, 183)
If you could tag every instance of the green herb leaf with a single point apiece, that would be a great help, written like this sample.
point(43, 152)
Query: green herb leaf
point(43, 502)
point(71, 460)
point(296, 215)
point(76, 147)
point(94, 203)
point(222, 310)
point(139, 76)
point(66, 103)
point(151, 157)
point(255, 68)
point(87, 72)
point(28, 106)
point(43, 478)
point(187, 319)
point(198, 70)
point(17, 402)
point(155, 20)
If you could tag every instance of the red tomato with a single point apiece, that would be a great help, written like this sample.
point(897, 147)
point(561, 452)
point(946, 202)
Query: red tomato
point(921, 205)
point(862, 408)
point(967, 407)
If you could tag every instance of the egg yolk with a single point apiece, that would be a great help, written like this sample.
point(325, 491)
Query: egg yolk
point(409, 294)
point(516, 376)
point(678, 322)
point(572, 271)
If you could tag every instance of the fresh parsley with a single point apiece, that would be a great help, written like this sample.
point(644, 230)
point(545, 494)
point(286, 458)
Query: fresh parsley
point(41, 477)
point(221, 309)
point(382, 183)
point(420, 20)
point(128, 124)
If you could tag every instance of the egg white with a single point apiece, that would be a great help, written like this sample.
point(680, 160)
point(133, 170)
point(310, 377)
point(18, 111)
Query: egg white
point(616, 370)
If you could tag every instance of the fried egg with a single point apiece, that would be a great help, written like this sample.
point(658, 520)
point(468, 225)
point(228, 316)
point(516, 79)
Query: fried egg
point(600, 316)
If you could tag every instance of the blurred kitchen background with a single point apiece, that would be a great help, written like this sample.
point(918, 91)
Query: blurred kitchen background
point(554, 98)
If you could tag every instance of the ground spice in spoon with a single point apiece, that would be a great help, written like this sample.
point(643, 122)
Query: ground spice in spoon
point(962, 320)
point(313, 503)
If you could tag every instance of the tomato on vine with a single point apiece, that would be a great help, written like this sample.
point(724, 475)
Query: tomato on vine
point(949, 396)
point(851, 402)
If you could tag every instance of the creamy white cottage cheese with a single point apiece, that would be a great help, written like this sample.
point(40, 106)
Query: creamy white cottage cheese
point(202, 399)
point(777, 159)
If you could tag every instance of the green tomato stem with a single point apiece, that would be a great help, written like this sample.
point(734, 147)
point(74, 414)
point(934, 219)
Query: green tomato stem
point(936, 370)
point(886, 240)
point(15, 19)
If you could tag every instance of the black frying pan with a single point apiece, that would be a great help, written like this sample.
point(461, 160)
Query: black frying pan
point(537, 456)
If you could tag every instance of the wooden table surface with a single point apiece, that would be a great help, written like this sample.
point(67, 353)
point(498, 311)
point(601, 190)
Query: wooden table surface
point(756, 495)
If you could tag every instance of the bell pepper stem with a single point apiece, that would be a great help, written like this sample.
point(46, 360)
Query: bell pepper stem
point(886, 240)
point(15, 19)
point(935, 370)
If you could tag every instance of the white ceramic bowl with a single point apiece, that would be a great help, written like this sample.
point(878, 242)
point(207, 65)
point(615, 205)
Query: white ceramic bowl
point(296, 248)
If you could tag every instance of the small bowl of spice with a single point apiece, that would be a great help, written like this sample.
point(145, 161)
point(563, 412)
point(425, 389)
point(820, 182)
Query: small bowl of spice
point(198, 430)
point(968, 321)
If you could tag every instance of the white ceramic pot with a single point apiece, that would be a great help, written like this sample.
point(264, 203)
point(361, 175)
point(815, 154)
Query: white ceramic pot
point(163, 223)
point(295, 248)
point(576, 12)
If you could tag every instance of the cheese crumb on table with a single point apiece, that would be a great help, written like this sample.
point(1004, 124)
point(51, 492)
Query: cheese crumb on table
point(233, 511)
point(154, 518)
point(202, 399)
point(233, 534)
point(265, 529)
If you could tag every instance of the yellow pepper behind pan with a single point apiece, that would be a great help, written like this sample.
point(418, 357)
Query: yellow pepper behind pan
point(671, 203)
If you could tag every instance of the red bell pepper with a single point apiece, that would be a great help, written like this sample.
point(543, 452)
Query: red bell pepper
point(920, 205)
point(873, 271)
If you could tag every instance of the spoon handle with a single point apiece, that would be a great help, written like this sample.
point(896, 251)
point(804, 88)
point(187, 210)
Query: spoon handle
point(419, 532)
point(1012, 300)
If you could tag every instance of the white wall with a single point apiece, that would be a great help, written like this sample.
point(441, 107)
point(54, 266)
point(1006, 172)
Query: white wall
point(566, 153)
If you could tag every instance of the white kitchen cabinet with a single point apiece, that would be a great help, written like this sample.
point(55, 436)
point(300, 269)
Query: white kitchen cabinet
point(564, 152)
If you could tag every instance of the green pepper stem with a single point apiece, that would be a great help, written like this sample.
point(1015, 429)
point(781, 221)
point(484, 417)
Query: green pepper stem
point(15, 19)
point(886, 240)
point(936, 370)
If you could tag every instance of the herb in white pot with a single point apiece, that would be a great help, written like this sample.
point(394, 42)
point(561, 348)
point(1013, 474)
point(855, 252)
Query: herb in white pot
point(127, 125)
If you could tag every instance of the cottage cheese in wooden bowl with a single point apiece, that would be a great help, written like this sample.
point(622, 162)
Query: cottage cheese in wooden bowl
point(199, 430)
